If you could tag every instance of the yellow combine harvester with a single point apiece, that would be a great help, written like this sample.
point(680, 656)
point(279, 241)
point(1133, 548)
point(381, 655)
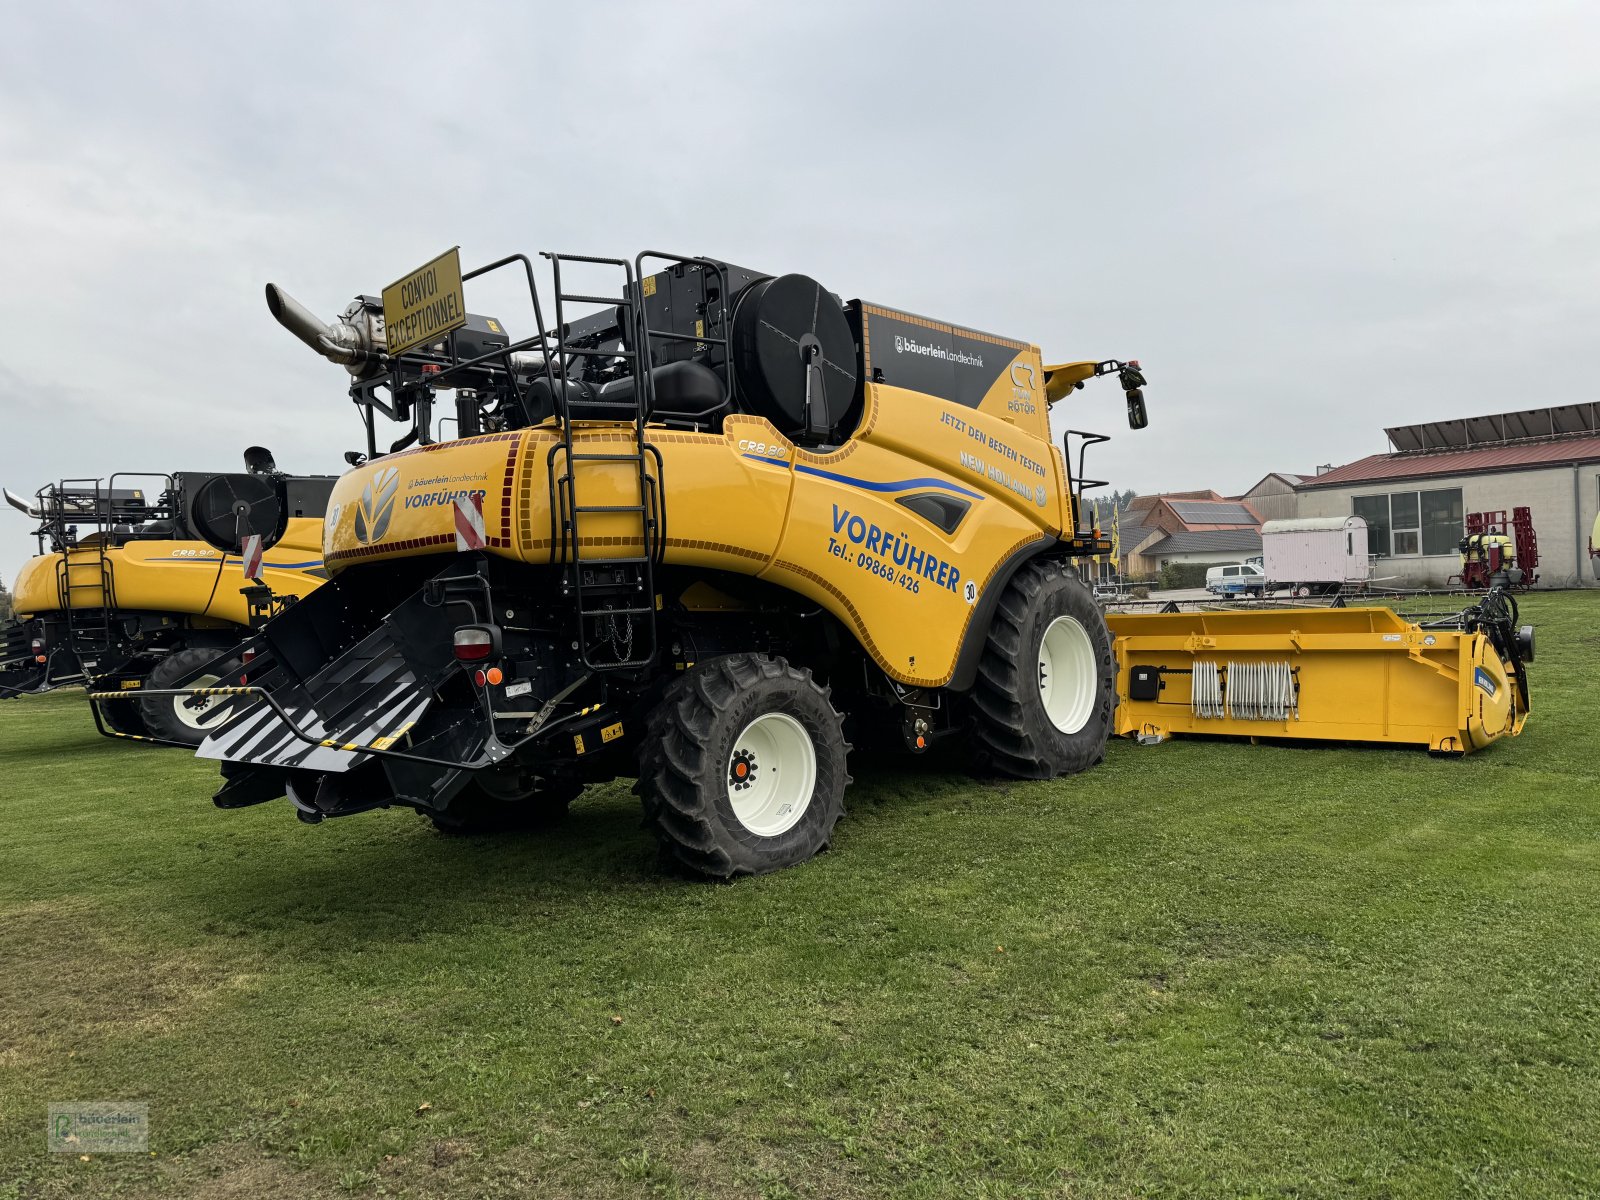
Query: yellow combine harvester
point(684, 537)
point(125, 596)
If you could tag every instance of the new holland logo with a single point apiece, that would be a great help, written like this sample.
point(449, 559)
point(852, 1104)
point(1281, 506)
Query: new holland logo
point(330, 528)
point(376, 506)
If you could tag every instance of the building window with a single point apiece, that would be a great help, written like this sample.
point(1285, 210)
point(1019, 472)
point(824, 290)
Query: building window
point(1441, 521)
point(1405, 529)
point(1407, 524)
point(1374, 510)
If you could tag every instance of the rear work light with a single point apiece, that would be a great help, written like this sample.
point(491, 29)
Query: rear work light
point(474, 643)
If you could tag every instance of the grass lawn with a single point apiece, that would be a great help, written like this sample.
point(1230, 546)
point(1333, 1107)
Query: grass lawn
point(1201, 969)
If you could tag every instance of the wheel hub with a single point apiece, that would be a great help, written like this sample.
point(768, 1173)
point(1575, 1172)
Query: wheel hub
point(742, 770)
point(1068, 675)
point(192, 710)
point(772, 774)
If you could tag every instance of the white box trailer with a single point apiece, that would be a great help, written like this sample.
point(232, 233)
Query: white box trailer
point(1316, 555)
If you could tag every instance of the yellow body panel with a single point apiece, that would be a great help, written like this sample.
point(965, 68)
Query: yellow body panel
point(1362, 674)
point(180, 577)
point(827, 526)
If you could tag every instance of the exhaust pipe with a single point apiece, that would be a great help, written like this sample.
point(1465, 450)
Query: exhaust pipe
point(357, 347)
point(21, 505)
point(341, 342)
point(297, 318)
point(70, 508)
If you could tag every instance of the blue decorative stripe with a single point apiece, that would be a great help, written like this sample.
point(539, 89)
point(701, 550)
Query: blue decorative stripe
point(211, 562)
point(900, 485)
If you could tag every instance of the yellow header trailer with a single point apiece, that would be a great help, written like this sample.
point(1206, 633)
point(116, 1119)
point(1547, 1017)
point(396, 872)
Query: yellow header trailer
point(1352, 674)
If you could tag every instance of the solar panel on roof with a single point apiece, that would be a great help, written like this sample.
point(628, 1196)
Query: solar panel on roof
point(1213, 514)
point(1562, 420)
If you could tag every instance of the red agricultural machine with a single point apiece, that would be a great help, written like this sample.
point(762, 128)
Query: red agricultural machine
point(1499, 553)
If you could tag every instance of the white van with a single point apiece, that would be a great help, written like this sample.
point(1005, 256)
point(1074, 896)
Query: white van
point(1240, 579)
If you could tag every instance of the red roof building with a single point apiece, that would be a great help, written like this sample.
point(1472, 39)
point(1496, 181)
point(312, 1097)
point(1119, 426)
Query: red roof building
point(1415, 499)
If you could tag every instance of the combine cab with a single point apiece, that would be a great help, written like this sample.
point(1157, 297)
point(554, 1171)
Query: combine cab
point(126, 597)
point(691, 535)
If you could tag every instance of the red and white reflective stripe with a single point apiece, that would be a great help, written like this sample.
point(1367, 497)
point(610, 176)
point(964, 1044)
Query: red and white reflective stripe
point(252, 557)
point(469, 523)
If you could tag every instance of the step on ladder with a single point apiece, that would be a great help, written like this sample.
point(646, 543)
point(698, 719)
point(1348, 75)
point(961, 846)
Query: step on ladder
point(614, 594)
point(88, 621)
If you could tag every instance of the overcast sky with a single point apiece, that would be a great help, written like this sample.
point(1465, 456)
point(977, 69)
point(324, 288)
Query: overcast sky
point(1308, 220)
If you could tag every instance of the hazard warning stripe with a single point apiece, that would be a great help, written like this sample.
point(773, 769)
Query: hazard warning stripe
point(252, 557)
point(469, 522)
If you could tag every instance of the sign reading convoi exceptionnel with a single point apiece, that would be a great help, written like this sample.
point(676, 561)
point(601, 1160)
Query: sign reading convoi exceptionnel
point(424, 305)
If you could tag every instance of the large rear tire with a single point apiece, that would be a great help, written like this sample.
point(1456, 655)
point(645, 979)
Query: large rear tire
point(1046, 682)
point(742, 768)
point(171, 717)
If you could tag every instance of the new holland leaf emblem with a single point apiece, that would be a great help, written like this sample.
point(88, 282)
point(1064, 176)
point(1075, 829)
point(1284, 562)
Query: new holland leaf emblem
point(377, 505)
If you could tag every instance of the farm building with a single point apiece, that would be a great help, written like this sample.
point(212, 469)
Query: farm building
point(1415, 499)
point(1187, 527)
point(1276, 497)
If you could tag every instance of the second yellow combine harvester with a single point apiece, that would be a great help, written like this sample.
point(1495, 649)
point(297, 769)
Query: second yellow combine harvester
point(685, 537)
point(125, 596)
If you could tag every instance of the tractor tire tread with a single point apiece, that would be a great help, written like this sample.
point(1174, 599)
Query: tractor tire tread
point(1013, 736)
point(681, 766)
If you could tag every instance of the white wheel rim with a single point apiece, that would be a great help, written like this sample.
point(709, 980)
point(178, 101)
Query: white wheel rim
point(202, 715)
point(771, 775)
point(1067, 676)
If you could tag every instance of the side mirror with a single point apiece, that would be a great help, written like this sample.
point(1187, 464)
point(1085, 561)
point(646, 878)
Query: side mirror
point(1132, 380)
point(1138, 418)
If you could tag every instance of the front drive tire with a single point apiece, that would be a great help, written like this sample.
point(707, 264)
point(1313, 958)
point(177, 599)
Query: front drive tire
point(1046, 682)
point(742, 767)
